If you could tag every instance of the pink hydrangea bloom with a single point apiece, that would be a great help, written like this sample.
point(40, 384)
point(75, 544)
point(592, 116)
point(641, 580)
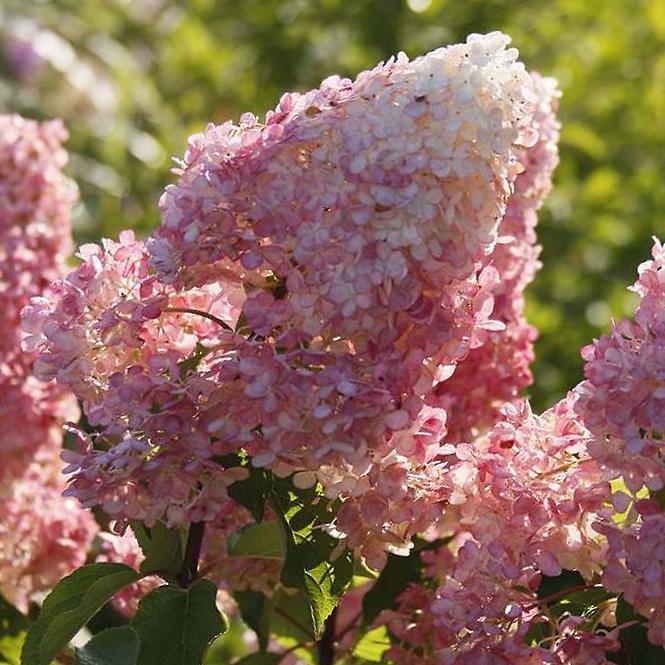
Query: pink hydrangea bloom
point(348, 214)
point(478, 620)
point(335, 256)
point(477, 614)
point(40, 408)
point(636, 568)
point(110, 333)
point(622, 400)
point(522, 502)
point(43, 537)
point(493, 374)
point(530, 497)
point(35, 204)
point(35, 236)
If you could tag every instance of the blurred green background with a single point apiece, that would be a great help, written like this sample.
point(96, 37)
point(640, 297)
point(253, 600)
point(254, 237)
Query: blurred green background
point(133, 78)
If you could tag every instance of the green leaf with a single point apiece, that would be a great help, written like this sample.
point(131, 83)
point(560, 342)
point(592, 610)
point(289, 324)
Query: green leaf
point(260, 659)
point(254, 611)
point(114, 646)
point(568, 579)
point(175, 626)
point(70, 605)
point(290, 616)
point(190, 364)
point(290, 620)
point(399, 572)
point(372, 645)
point(634, 640)
point(259, 541)
point(252, 492)
point(164, 550)
point(142, 535)
point(307, 564)
point(13, 629)
point(361, 569)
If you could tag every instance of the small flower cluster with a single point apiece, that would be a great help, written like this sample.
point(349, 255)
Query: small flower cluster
point(42, 535)
point(636, 567)
point(622, 402)
point(523, 504)
point(35, 236)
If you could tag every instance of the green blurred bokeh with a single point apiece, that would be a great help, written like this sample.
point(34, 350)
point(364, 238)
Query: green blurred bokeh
point(133, 79)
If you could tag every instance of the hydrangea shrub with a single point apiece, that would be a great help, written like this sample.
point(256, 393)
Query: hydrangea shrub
point(303, 394)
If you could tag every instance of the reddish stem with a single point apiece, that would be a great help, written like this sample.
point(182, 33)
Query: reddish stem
point(199, 312)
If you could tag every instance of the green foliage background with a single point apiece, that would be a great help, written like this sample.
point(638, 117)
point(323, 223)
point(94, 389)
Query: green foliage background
point(133, 78)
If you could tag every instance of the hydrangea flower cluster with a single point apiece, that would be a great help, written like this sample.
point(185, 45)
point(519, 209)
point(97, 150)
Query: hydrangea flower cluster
point(36, 199)
point(35, 237)
point(523, 504)
point(622, 402)
point(118, 339)
point(636, 568)
point(42, 535)
point(315, 281)
point(623, 399)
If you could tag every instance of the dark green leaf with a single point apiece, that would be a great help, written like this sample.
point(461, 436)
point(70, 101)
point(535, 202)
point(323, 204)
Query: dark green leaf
point(254, 611)
point(301, 518)
point(307, 564)
point(659, 497)
point(142, 535)
point(191, 363)
point(290, 616)
point(566, 580)
point(258, 541)
point(252, 492)
point(164, 552)
point(73, 601)
point(360, 569)
point(175, 626)
point(114, 646)
point(306, 567)
point(398, 573)
point(636, 646)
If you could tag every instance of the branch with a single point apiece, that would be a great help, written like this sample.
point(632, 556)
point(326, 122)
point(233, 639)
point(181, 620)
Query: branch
point(190, 565)
point(199, 312)
point(562, 593)
point(326, 645)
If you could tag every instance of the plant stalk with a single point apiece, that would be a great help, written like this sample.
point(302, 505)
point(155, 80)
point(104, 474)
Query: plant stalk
point(190, 565)
point(326, 645)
